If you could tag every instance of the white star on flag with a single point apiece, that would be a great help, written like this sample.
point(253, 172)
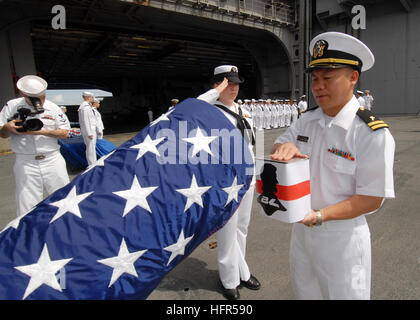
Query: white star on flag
point(69, 204)
point(193, 193)
point(123, 262)
point(163, 117)
point(148, 145)
point(178, 248)
point(232, 191)
point(200, 142)
point(98, 163)
point(136, 196)
point(43, 272)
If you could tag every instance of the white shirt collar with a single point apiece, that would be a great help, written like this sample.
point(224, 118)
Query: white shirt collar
point(344, 118)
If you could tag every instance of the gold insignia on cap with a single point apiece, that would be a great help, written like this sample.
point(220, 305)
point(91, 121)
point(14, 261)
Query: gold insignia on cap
point(234, 69)
point(319, 48)
point(372, 118)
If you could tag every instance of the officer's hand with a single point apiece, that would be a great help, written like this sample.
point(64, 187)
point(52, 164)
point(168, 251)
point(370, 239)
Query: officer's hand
point(285, 152)
point(222, 86)
point(310, 219)
point(12, 125)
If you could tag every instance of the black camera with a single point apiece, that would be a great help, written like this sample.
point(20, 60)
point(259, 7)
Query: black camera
point(23, 114)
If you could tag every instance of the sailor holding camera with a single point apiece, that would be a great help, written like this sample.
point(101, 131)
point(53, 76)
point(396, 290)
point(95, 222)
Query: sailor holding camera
point(34, 125)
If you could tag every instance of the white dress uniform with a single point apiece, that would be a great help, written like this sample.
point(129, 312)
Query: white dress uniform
point(99, 124)
point(294, 113)
point(260, 117)
point(252, 113)
point(287, 115)
point(333, 261)
point(303, 106)
point(275, 118)
point(88, 127)
point(231, 239)
point(279, 110)
point(368, 102)
point(362, 101)
point(267, 117)
point(150, 115)
point(282, 115)
point(39, 163)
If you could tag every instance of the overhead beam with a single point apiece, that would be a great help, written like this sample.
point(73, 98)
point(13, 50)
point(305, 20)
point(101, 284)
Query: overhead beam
point(407, 5)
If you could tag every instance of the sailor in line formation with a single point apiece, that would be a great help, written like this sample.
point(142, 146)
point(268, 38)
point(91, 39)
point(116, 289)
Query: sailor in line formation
point(365, 99)
point(273, 113)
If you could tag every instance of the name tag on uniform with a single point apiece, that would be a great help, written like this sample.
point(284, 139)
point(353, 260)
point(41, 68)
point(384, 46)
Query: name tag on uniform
point(302, 138)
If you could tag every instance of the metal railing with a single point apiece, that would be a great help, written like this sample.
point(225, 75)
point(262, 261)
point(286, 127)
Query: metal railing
point(268, 10)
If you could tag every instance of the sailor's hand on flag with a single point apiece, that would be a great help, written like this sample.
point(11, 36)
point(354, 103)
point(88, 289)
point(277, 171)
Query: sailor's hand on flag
point(285, 152)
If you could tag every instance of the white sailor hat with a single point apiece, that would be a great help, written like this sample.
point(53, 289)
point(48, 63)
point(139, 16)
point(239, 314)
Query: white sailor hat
point(87, 94)
point(32, 86)
point(303, 96)
point(337, 50)
point(359, 92)
point(96, 100)
point(174, 100)
point(247, 101)
point(227, 71)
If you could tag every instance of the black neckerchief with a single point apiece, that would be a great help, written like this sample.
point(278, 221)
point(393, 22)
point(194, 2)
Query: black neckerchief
point(241, 122)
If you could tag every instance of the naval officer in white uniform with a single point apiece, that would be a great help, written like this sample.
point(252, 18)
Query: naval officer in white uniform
point(87, 121)
point(351, 155)
point(231, 239)
point(39, 163)
point(99, 124)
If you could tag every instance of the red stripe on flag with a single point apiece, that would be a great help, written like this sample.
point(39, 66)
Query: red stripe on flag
point(289, 193)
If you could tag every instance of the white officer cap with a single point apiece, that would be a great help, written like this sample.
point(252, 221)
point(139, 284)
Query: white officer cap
point(367, 91)
point(227, 71)
point(96, 100)
point(359, 92)
point(240, 101)
point(32, 86)
point(174, 100)
point(253, 100)
point(303, 96)
point(87, 94)
point(337, 50)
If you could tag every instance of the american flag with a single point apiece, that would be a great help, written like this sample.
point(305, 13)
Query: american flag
point(121, 225)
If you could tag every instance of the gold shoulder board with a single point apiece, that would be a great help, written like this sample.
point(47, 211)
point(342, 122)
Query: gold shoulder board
point(371, 120)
